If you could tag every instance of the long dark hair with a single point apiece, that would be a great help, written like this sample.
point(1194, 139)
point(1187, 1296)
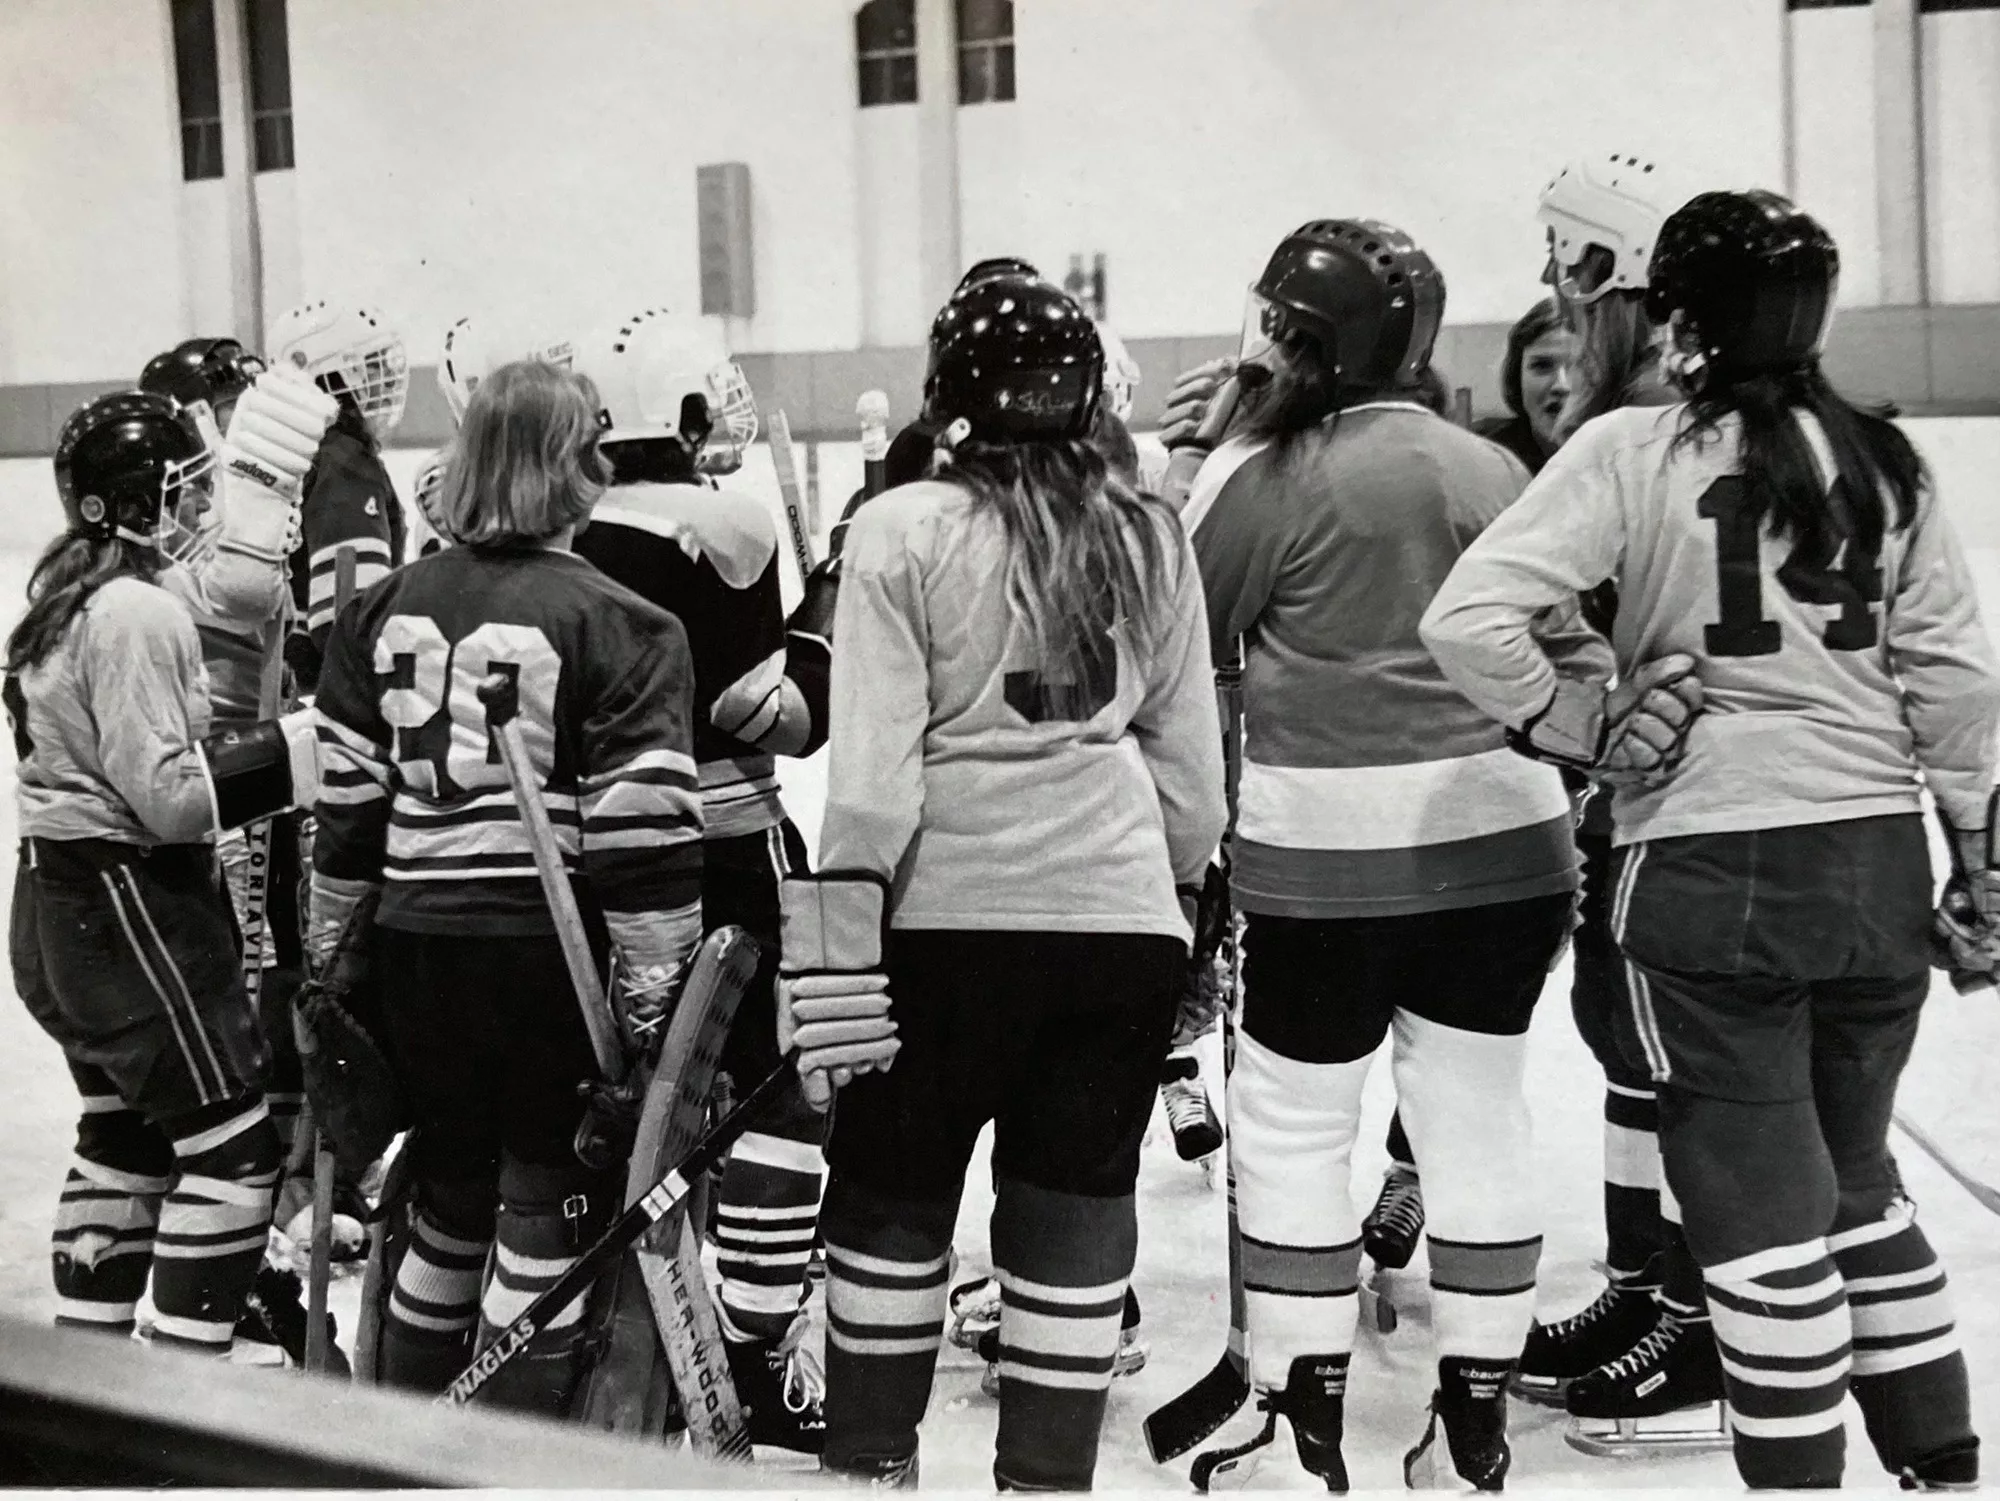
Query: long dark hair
point(70, 570)
point(1304, 390)
point(1085, 552)
point(1782, 482)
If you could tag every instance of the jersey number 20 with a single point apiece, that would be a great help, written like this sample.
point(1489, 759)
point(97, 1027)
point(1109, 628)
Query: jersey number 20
point(429, 675)
point(1842, 574)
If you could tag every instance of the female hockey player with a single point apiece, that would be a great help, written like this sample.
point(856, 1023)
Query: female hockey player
point(1535, 384)
point(416, 813)
point(1025, 750)
point(121, 941)
point(677, 408)
point(1400, 871)
point(1784, 569)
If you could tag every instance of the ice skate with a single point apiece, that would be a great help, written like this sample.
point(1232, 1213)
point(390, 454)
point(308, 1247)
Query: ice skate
point(974, 1312)
point(1664, 1396)
point(780, 1383)
point(1197, 1132)
point(1469, 1413)
point(1614, 1322)
point(1952, 1469)
point(1389, 1234)
point(1313, 1402)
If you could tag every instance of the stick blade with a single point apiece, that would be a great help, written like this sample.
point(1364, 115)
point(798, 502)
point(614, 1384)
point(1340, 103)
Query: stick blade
point(1177, 1426)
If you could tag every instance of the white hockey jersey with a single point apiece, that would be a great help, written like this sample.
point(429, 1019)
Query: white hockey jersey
point(1830, 682)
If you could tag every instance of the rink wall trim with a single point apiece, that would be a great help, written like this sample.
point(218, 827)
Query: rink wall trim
point(1941, 361)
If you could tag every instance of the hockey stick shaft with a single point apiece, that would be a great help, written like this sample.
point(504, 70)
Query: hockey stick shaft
point(1988, 1197)
point(665, 1196)
point(498, 694)
point(785, 462)
point(873, 412)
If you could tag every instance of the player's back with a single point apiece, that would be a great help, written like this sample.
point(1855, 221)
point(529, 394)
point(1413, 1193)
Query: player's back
point(1801, 654)
point(603, 683)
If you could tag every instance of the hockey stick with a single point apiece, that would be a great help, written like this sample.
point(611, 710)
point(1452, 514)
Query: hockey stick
point(502, 703)
point(1988, 1197)
point(873, 411)
point(785, 462)
point(1179, 1424)
point(666, 1196)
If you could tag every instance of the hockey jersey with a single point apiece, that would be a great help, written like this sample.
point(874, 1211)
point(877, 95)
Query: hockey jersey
point(710, 557)
point(990, 795)
point(1828, 681)
point(349, 502)
point(413, 791)
point(108, 724)
point(242, 650)
point(1370, 786)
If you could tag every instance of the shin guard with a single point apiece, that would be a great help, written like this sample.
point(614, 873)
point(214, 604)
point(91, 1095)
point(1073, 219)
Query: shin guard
point(108, 1215)
point(214, 1224)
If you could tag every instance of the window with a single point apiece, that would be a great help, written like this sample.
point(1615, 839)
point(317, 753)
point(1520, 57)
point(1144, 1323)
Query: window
point(885, 49)
point(270, 84)
point(985, 51)
point(200, 94)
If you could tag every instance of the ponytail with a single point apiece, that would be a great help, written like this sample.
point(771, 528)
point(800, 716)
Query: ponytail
point(70, 570)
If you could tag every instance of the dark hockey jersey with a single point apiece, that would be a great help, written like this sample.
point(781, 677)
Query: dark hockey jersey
point(710, 556)
point(349, 502)
point(413, 791)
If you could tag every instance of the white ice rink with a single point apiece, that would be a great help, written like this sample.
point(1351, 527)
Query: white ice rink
point(1180, 1271)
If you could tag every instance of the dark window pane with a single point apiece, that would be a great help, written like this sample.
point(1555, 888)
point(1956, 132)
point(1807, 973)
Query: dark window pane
point(985, 20)
point(975, 75)
point(885, 26)
point(273, 129)
point(201, 149)
point(270, 55)
point(902, 79)
point(1003, 73)
point(194, 60)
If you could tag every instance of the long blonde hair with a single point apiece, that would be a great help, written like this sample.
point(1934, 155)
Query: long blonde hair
point(525, 463)
point(1617, 357)
point(1085, 552)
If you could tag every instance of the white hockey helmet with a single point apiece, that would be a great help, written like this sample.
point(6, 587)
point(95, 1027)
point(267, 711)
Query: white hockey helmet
point(472, 352)
point(1603, 214)
point(349, 351)
point(1121, 372)
point(649, 366)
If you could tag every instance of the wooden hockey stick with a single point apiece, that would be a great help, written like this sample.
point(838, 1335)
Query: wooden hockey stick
point(1988, 1197)
point(785, 462)
point(872, 410)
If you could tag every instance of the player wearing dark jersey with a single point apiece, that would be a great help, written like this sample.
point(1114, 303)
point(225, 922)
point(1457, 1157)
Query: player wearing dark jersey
point(416, 812)
point(676, 408)
point(1025, 762)
point(1772, 893)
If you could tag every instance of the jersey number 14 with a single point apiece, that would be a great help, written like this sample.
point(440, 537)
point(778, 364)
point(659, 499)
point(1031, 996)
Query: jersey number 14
point(1841, 574)
point(429, 676)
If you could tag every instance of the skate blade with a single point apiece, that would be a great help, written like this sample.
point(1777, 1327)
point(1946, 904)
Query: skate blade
point(1690, 1430)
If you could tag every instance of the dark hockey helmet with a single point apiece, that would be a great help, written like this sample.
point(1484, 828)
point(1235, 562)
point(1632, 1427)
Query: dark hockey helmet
point(211, 370)
point(1363, 289)
point(1017, 361)
point(999, 265)
point(125, 461)
point(1753, 277)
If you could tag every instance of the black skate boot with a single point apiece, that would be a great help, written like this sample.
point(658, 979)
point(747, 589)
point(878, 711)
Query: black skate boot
point(1470, 1406)
point(1389, 1234)
point(1314, 1402)
point(1951, 1469)
point(1674, 1366)
point(274, 1319)
point(779, 1411)
point(1556, 1354)
point(1197, 1133)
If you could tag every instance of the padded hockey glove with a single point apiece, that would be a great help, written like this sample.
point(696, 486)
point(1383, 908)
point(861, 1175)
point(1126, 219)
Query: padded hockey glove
point(1633, 735)
point(1205, 988)
point(833, 998)
point(274, 435)
point(1965, 932)
point(257, 770)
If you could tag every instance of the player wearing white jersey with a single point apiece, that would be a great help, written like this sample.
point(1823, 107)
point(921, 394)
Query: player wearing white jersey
point(1772, 892)
point(1026, 762)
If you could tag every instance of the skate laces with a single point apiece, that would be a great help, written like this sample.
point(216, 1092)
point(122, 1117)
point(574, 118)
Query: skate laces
point(1599, 1308)
point(1401, 1207)
point(1186, 1104)
point(1649, 1351)
point(803, 1351)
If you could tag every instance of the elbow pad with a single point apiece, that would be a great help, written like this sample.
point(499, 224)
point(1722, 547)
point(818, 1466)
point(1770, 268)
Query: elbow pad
point(764, 708)
point(257, 770)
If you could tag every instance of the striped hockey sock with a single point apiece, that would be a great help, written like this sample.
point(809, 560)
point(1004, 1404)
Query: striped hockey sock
point(1063, 1262)
point(433, 1307)
point(887, 1283)
point(765, 1217)
point(108, 1214)
point(1632, 1228)
point(547, 1217)
point(1785, 1337)
point(1483, 1296)
point(1909, 1375)
point(213, 1228)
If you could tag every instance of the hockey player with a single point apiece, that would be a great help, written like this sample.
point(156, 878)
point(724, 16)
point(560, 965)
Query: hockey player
point(1025, 749)
point(350, 502)
point(1782, 550)
point(1401, 872)
point(121, 942)
point(416, 814)
point(1535, 385)
point(674, 404)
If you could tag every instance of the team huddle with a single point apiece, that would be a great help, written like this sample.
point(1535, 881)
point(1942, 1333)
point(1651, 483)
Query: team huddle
point(1656, 670)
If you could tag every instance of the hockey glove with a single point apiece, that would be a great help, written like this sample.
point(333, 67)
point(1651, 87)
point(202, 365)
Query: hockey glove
point(268, 767)
point(1633, 735)
point(652, 950)
point(330, 906)
point(274, 435)
point(1965, 932)
point(1187, 419)
point(833, 998)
